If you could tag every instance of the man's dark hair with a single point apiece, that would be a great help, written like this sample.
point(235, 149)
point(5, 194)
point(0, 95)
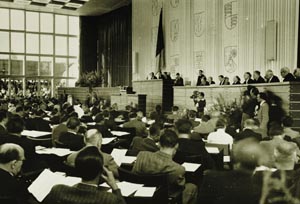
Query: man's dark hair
point(263, 96)
point(275, 130)
point(175, 108)
point(183, 126)
point(248, 74)
point(257, 72)
point(168, 139)
point(192, 114)
point(221, 76)
point(9, 154)
point(3, 115)
point(254, 91)
point(287, 121)
point(15, 124)
point(106, 114)
point(73, 123)
point(201, 94)
point(221, 123)
point(205, 118)
point(89, 163)
point(132, 115)
point(154, 130)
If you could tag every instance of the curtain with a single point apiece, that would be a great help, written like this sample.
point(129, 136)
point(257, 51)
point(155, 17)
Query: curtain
point(106, 46)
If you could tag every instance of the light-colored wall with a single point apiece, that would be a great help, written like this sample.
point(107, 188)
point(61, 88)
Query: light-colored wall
point(205, 34)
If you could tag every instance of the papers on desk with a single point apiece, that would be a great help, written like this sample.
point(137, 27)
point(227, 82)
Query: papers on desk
point(119, 133)
point(226, 159)
point(107, 140)
point(119, 120)
point(191, 167)
point(91, 123)
point(212, 150)
point(198, 120)
point(47, 118)
point(42, 186)
point(57, 151)
point(34, 133)
point(119, 157)
point(145, 192)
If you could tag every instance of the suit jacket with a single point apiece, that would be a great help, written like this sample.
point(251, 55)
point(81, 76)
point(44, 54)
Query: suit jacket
point(178, 82)
point(72, 141)
point(259, 80)
point(82, 194)
point(110, 124)
point(144, 144)
point(263, 118)
point(289, 77)
point(38, 124)
point(247, 133)
point(236, 83)
point(159, 162)
point(250, 81)
point(234, 187)
point(12, 191)
point(139, 126)
point(108, 161)
point(102, 129)
point(199, 80)
point(3, 131)
point(273, 79)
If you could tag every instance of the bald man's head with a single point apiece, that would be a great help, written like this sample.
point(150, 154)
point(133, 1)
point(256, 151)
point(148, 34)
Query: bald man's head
point(11, 158)
point(93, 137)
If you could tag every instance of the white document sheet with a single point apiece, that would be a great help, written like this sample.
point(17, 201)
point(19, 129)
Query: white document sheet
point(119, 133)
point(57, 151)
point(34, 133)
point(108, 140)
point(212, 150)
point(145, 192)
point(191, 167)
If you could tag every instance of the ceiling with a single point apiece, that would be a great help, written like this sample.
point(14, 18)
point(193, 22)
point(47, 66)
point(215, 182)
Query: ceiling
point(90, 8)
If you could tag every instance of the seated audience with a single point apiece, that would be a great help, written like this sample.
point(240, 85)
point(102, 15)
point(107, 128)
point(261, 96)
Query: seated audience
point(226, 81)
point(221, 79)
point(236, 80)
point(257, 78)
point(247, 77)
point(71, 139)
point(109, 121)
point(203, 127)
point(175, 114)
point(236, 186)
point(297, 74)
point(204, 82)
point(139, 126)
point(94, 138)
point(161, 162)
point(12, 190)
point(200, 76)
point(220, 136)
point(3, 121)
point(248, 131)
point(178, 80)
point(270, 77)
point(210, 80)
point(286, 74)
point(36, 122)
point(89, 165)
point(149, 143)
point(287, 123)
point(152, 76)
point(192, 116)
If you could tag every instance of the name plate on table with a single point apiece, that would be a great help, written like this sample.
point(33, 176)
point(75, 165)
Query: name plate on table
point(34, 133)
point(119, 133)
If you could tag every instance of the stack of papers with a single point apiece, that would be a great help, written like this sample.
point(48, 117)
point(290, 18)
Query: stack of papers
point(57, 151)
point(212, 150)
point(108, 140)
point(191, 167)
point(119, 133)
point(42, 186)
point(119, 157)
point(34, 133)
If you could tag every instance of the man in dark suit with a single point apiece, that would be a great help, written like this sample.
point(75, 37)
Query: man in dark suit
point(108, 121)
point(297, 74)
point(36, 122)
point(286, 74)
point(257, 78)
point(178, 80)
point(237, 186)
point(199, 78)
point(149, 143)
point(248, 132)
point(71, 139)
point(161, 162)
point(12, 190)
point(247, 77)
point(89, 165)
point(222, 80)
point(139, 126)
point(270, 77)
point(188, 147)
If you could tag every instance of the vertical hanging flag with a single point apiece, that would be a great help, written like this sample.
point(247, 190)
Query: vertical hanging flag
point(160, 46)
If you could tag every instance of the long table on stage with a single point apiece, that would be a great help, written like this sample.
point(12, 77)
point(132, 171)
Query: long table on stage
point(288, 91)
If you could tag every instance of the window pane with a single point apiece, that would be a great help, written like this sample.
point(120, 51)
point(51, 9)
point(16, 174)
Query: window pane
point(46, 65)
point(73, 68)
point(60, 68)
point(4, 42)
point(32, 21)
point(45, 88)
point(47, 22)
point(31, 87)
point(17, 63)
point(17, 19)
point(73, 47)
point(46, 44)
point(17, 42)
point(73, 25)
point(16, 87)
point(4, 64)
point(61, 24)
point(32, 65)
point(4, 16)
point(60, 45)
point(32, 43)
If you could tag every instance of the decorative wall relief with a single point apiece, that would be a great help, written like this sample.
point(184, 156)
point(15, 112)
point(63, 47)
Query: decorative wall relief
point(174, 63)
point(174, 32)
point(155, 7)
point(174, 3)
point(199, 23)
point(199, 57)
point(230, 58)
point(230, 15)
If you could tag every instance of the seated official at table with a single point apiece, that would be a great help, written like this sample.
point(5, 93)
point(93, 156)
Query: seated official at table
point(139, 126)
point(94, 138)
point(12, 190)
point(270, 77)
point(161, 162)
point(89, 165)
point(149, 143)
point(178, 80)
point(286, 74)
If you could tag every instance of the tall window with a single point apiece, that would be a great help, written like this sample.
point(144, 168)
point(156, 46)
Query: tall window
point(38, 52)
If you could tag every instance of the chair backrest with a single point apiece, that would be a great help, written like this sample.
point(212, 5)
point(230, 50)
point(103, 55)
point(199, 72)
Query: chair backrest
point(224, 147)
